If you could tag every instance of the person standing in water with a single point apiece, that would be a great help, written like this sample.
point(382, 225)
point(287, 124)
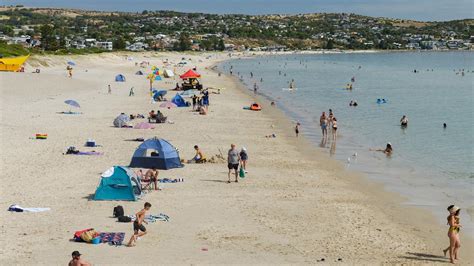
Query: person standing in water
point(334, 128)
point(404, 121)
point(323, 122)
point(453, 233)
point(297, 129)
point(255, 88)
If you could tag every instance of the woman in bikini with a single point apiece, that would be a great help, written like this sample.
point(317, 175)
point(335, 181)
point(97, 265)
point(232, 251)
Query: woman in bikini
point(334, 128)
point(453, 233)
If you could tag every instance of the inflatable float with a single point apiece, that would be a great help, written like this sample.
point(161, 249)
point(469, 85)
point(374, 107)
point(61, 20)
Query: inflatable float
point(255, 107)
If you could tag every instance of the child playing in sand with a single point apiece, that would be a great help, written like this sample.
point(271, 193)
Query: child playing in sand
point(138, 225)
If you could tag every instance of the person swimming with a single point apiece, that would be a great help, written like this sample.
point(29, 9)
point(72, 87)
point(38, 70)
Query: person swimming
point(388, 149)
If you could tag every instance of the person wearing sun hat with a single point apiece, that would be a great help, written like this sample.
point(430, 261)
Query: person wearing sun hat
point(77, 261)
point(453, 233)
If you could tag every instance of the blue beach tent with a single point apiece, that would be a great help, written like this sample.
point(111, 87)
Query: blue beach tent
point(179, 101)
point(118, 183)
point(156, 153)
point(120, 78)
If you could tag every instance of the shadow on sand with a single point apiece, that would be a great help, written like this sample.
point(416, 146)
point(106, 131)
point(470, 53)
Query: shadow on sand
point(422, 257)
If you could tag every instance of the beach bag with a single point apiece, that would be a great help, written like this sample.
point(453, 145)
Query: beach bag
point(242, 172)
point(124, 219)
point(87, 236)
point(118, 211)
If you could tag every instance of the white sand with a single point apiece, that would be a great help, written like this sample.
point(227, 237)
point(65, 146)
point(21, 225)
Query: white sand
point(295, 206)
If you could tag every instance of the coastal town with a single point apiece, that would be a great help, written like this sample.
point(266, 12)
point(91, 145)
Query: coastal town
point(70, 30)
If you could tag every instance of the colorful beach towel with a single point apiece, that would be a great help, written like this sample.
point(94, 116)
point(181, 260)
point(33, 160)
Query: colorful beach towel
point(112, 238)
point(167, 180)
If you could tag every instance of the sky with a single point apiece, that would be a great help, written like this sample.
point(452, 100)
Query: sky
point(423, 10)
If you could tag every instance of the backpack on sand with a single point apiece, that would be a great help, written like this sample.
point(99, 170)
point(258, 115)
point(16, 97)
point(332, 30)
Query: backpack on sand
point(118, 211)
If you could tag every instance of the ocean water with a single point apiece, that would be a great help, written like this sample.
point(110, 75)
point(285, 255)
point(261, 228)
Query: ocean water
point(431, 166)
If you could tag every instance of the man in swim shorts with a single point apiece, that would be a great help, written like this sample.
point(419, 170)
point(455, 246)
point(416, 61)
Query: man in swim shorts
point(233, 160)
point(323, 122)
point(138, 225)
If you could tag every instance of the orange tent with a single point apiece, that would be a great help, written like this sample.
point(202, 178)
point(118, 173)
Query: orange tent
point(190, 75)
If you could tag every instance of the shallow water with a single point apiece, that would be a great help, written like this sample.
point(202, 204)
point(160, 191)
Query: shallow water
point(431, 165)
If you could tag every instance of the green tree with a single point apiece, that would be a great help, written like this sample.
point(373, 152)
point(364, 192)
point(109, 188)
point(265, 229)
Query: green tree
point(329, 44)
point(48, 39)
point(221, 45)
point(119, 43)
point(184, 42)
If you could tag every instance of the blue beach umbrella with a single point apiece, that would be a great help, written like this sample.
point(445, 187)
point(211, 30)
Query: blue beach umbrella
point(71, 63)
point(72, 103)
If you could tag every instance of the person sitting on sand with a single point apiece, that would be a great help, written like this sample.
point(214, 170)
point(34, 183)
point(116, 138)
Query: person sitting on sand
point(152, 114)
point(198, 157)
point(453, 233)
point(138, 225)
point(77, 261)
point(202, 110)
point(388, 149)
point(151, 176)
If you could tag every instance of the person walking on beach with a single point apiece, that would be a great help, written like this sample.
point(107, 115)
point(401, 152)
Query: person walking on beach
point(233, 159)
point(297, 129)
point(109, 89)
point(255, 88)
point(77, 261)
point(323, 122)
point(243, 158)
point(453, 233)
point(138, 225)
point(131, 93)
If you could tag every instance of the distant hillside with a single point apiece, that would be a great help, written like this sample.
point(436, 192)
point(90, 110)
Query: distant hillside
point(63, 28)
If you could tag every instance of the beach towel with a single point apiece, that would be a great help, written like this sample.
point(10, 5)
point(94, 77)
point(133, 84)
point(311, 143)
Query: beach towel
point(88, 153)
point(112, 238)
point(17, 208)
point(167, 180)
point(70, 113)
point(151, 218)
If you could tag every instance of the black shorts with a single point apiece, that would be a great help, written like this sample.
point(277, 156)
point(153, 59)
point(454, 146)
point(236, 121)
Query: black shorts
point(233, 166)
point(138, 227)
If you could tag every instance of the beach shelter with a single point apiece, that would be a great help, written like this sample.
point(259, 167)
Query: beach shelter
point(168, 73)
point(179, 101)
point(12, 63)
point(156, 153)
point(190, 74)
point(118, 183)
point(120, 78)
point(71, 63)
point(139, 72)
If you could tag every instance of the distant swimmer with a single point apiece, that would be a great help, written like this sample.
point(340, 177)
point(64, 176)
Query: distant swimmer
point(388, 149)
point(261, 79)
point(349, 86)
point(292, 84)
point(353, 79)
point(251, 74)
point(444, 125)
point(404, 121)
point(353, 103)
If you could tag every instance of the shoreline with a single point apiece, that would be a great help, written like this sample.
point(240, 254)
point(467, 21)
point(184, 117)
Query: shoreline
point(401, 212)
point(296, 206)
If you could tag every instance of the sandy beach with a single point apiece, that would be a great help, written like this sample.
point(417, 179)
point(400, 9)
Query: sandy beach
point(296, 205)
